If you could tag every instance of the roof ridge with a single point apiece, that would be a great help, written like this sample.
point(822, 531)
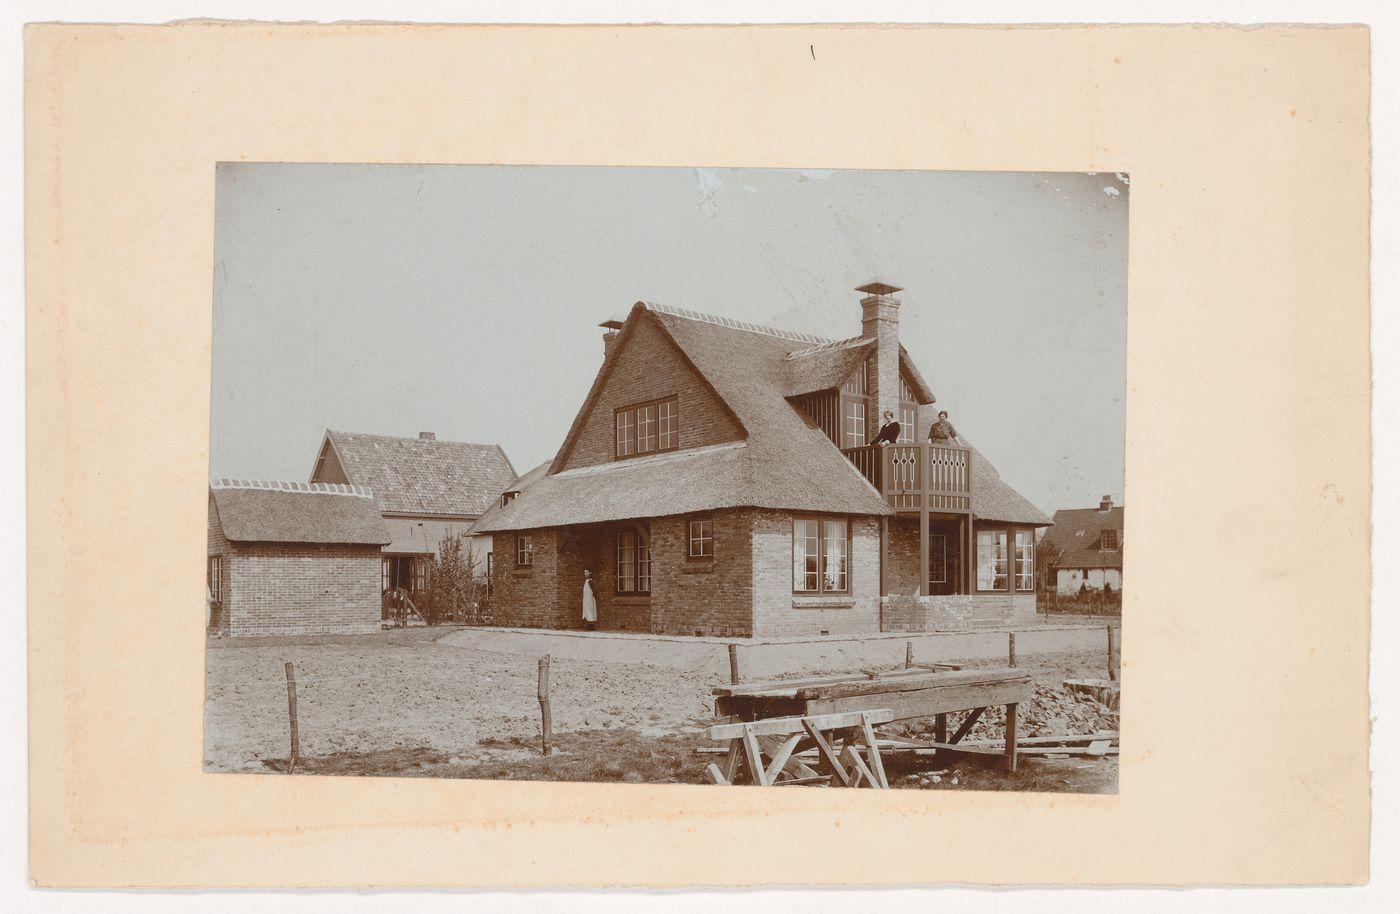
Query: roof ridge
point(849, 343)
point(311, 488)
point(734, 324)
point(414, 438)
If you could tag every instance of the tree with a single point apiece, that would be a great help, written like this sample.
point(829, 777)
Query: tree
point(455, 592)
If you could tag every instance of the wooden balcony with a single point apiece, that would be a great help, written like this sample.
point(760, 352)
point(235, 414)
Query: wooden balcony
point(918, 477)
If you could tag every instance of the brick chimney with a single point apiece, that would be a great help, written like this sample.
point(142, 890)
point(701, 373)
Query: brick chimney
point(1106, 503)
point(879, 320)
point(427, 436)
point(613, 327)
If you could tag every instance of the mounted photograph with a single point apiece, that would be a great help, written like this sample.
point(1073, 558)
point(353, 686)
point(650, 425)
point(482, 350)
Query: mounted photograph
point(725, 476)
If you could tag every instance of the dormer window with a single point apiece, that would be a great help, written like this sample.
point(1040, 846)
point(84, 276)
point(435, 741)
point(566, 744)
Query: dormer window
point(647, 428)
point(508, 498)
point(1108, 540)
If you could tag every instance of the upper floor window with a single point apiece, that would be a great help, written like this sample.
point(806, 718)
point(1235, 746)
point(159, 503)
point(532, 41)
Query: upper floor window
point(524, 550)
point(908, 418)
point(646, 428)
point(821, 549)
point(1108, 539)
point(702, 539)
point(853, 422)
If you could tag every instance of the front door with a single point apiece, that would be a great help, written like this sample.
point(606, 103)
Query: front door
point(944, 557)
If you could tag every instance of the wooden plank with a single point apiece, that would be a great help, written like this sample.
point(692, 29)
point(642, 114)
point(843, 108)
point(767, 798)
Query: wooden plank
point(863, 774)
point(1098, 747)
point(927, 702)
point(781, 755)
point(1062, 750)
point(968, 723)
point(904, 683)
point(797, 782)
point(731, 761)
point(716, 775)
point(788, 687)
point(754, 757)
point(873, 745)
point(967, 749)
point(827, 758)
point(781, 726)
point(940, 727)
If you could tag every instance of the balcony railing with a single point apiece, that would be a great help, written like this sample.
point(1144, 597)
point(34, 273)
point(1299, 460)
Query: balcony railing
point(907, 474)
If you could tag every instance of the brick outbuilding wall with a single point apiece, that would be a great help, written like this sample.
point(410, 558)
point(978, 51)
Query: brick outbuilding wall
point(649, 368)
point(283, 589)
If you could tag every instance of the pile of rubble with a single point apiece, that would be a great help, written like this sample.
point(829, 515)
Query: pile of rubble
point(1052, 712)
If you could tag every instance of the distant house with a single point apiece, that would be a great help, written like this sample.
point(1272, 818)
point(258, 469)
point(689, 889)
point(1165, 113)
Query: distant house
point(293, 558)
point(1086, 548)
point(423, 487)
point(719, 480)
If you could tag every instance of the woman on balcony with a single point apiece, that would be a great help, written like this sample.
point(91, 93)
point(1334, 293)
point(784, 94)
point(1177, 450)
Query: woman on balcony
point(942, 432)
point(889, 432)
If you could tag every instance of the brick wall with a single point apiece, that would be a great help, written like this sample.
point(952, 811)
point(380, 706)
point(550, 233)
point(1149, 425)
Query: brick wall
point(529, 596)
point(282, 589)
point(220, 546)
point(777, 611)
point(711, 596)
point(902, 572)
point(651, 367)
point(956, 612)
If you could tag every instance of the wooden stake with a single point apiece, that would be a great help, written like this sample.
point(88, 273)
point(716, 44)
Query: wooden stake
point(908, 655)
point(546, 725)
point(292, 714)
point(1011, 649)
point(1112, 676)
point(733, 664)
point(1011, 737)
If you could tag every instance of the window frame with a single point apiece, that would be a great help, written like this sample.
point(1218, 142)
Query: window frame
point(859, 436)
point(639, 577)
point(703, 538)
point(524, 550)
point(822, 554)
point(1023, 563)
point(1104, 545)
point(629, 418)
point(994, 532)
point(214, 577)
point(938, 546)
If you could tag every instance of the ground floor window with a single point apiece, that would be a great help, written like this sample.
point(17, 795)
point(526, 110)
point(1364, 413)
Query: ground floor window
point(633, 562)
point(702, 539)
point(821, 549)
point(404, 572)
point(992, 564)
point(937, 558)
point(1025, 561)
point(215, 577)
point(524, 549)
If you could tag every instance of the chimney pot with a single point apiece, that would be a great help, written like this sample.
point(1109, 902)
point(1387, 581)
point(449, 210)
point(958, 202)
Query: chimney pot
point(1106, 503)
point(427, 436)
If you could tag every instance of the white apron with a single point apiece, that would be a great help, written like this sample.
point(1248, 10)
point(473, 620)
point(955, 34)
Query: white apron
point(590, 603)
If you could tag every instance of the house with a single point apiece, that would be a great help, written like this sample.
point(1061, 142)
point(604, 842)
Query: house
point(1085, 549)
point(717, 481)
point(424, 488)
point(293, 558)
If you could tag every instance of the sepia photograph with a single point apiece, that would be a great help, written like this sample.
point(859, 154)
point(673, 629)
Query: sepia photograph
point(650, 475)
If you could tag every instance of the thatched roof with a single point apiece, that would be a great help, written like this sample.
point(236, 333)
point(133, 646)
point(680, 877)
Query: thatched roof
point(1078, 533)
point(255, 511)
point(784, 462)
point(424, 476)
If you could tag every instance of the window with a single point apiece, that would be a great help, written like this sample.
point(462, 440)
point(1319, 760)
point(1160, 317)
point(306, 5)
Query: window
point(1108, 540)
point(938, 558)
point(908, 419)
point(508, 497)
point(215, 578)
point(524, 549)
point(645, 428)
point(991, 560)
point(702, 539)
point(420, 573)
point(852, 422)
point(490, 584)
point(821, 551)
point(386, 576)
point(1025, 561)
point(633, 562)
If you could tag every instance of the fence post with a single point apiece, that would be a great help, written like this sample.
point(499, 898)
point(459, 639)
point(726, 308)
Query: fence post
point(908, 655)
point(1011, 649)
point(1112, 676)
point(733, 663)
point(546, 724)
point(292, 714)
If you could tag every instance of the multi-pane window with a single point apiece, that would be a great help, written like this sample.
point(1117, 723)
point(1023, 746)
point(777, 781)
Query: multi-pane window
point(1108, 540)
point(633, 562)
point(386, 576)
point(216, 577)
point(524, 549)
point(992, 564)
point(702, 539)
point(821, 555)
point(852, 422)
point(420, 573)
point(645, 428)
point(937, 558)
point(908, 417)
point(1025, 561)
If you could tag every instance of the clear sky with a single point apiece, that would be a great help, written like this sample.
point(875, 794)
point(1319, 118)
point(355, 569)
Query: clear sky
point(465, 300)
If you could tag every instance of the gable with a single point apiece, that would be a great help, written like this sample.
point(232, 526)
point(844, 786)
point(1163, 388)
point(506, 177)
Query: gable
point(328, 467)
point(645, 366)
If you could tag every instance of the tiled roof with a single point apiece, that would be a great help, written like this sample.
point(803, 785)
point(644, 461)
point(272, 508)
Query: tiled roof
point(1078, 533)
point(297, 512)
point(424, 476)
point(785, 461)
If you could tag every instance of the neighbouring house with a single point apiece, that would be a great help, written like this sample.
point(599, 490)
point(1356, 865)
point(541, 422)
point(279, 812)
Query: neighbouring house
point(1085, 548)
point(424, 487)
point(293, 558)
point(717, 481)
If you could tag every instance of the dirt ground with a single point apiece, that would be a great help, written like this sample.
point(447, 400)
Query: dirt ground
point(399, 703)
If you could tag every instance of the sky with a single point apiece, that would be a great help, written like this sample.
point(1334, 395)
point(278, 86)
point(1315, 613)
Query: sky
point(464, 299)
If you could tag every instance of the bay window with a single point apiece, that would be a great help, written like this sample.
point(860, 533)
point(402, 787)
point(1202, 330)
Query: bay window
point(992, 564)
point(1025, 561)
